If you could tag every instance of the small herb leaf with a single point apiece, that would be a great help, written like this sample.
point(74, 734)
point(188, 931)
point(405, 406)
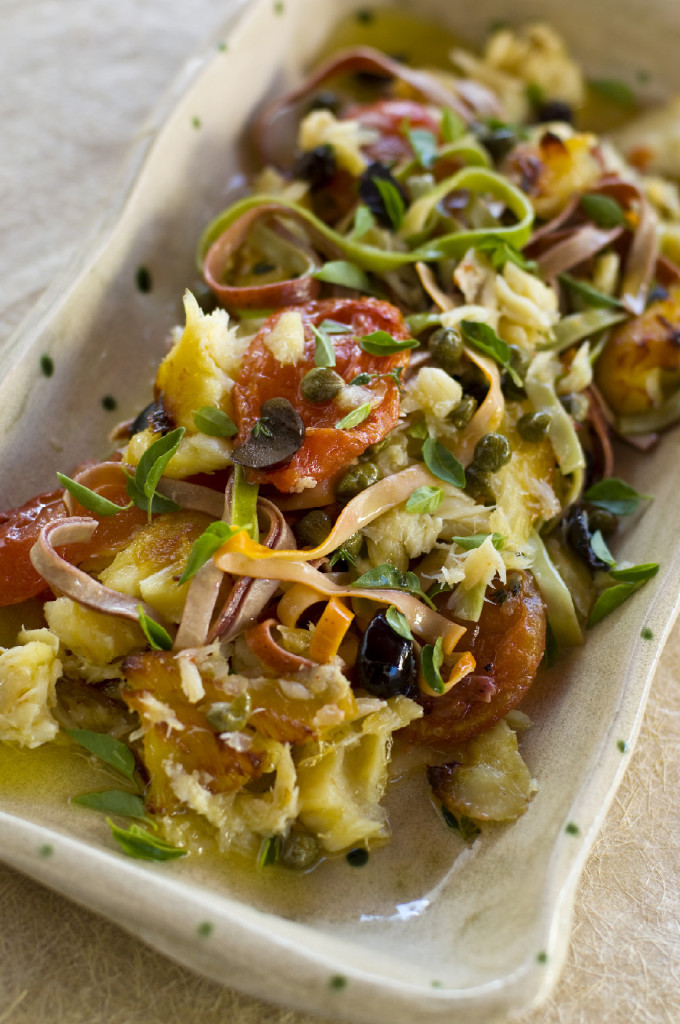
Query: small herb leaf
point(485, 340)
point(600, 549)
point(324, 353)
point(153, 463)
point(442, 463)
point(425, 499)
point(431, 662)
point(159, 639)
point(424, 145)
point(380, 343)
point(108, 749)
point(453, 126)
point(615, 495)
point(90, 500)
point(270, 851)
point(205, 546)
point(398, 622)
point(387, 577)
point(611, 598)
point(363, 222)
point(138, 843)
point(636, 573)
point(113, 801)
point(355, 417)
point(499, 252)
point(214, 422)
point(615, 90)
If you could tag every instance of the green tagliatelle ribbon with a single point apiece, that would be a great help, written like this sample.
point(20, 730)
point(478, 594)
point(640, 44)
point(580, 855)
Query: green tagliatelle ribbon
point(377, 260)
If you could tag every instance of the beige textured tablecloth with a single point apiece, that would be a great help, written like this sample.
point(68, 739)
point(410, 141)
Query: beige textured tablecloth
point(77, 78)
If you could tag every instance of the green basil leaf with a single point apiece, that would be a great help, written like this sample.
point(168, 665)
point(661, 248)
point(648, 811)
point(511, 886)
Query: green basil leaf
point(244, 504)
point(380, 343)
point(393, 201)
point(355, 417)
point(431, 662)
point(453, 126)
point(613, 89)
point(589, 294)
point(109, 750)
point(615, 495)
point(90, 500)
point(636, 573)
point(382, 577)
point(113, 801)
point(335, 327)
point(398, 622)
point(442, 463)
point(159, 638)
point(270, 851)
point(324, 353)
point(600, 550)
point(153, 463)
point(439, 588)
point(363, 222)
point(214, 422)
point(603, 210)
point(341, 554)
point(475, 540)
point(425, 499)
point(535, 94)
point(345, 274)
point(499, 252)
point(137, 842)
point(204, 547)
point(424, 146)
point(609, 600)
point(485, 340)
point(159, 503)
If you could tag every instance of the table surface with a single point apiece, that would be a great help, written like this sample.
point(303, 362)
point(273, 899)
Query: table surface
point(76, 81)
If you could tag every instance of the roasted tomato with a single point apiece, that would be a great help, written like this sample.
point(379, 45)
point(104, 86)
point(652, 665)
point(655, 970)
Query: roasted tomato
point(325, 449)
point(19, 529)
point(508, 644)
point(392, 119)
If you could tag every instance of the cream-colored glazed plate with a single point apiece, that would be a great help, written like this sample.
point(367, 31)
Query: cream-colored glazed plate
point(428, 930)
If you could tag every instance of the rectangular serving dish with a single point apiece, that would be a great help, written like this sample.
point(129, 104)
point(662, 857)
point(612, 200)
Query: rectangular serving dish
point(430, 930)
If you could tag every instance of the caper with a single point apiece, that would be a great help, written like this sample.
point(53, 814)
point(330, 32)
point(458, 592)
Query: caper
point(534, 426)
point(603, 520)
point(477, 485)
point(321, 385)
point(356, 480)
point(375, 449)
point(354, 544)
point(230, 716)
point(463, 413)
point(446, 346)
point(491, 452)
point(299, 851)
point(313, 528)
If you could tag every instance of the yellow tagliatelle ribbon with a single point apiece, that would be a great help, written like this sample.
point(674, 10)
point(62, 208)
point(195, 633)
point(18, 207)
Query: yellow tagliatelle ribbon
point(233, 557)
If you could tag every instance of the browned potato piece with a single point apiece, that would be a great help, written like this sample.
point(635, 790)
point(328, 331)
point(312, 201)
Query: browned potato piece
point(640, 365)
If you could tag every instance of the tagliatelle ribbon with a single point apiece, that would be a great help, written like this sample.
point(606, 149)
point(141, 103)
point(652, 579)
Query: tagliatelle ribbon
point(425, 622)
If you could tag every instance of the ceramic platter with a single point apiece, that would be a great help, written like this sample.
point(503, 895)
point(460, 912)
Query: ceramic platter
point(429, 930)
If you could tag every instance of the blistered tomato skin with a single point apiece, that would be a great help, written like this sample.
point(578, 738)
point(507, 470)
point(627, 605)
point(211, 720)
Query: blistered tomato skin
point(325, 450)
point(20, 527)
point(508, 644)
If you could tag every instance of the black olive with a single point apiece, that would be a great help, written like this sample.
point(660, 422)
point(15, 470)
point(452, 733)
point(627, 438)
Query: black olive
point(317, 166)
point(153, 417)
point(554, 110)
point(372, 196)
point(579, 537)
point(386, 665)
point(276, 437)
